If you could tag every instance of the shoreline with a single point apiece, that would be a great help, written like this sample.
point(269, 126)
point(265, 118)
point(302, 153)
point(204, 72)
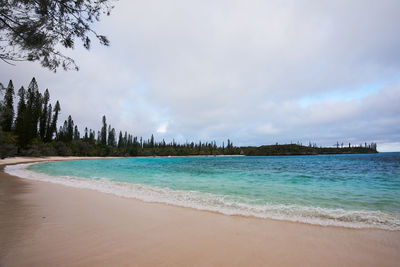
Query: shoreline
point(51, 224)
point(199, 202)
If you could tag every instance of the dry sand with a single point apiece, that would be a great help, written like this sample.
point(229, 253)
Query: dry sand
point(44, 224)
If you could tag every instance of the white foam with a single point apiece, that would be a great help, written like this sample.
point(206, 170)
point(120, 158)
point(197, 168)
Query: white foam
point(222, 204)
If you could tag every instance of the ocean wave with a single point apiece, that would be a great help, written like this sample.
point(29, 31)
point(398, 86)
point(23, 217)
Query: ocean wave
point(222, 204)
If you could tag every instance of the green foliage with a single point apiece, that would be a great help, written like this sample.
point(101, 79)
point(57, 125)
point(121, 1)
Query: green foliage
point(20, 120)
point(111, 136)
point(43, 115)
point(103, 137)
point(8, 147)
point(33, 115)
point(36, 30)
point(294, 149)
point(62, 149)
point(8, 108)
point(48, 128)
point(70, 129)
point(37, 148)
point(76, 133)
point(53, 126)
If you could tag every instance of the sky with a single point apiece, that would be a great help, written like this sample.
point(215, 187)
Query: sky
point(256, 72)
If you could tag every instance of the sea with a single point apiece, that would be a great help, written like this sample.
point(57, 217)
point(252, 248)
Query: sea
point(355, 191)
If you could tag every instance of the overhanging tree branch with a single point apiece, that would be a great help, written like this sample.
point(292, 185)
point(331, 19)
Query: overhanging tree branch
point(30, 30)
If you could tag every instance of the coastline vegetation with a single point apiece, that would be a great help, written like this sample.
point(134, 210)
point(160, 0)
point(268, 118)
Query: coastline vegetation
point(30, 129)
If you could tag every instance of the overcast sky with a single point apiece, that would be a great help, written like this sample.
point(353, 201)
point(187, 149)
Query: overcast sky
point(257, 72)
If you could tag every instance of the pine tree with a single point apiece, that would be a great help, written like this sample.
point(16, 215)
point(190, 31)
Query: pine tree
point(8, 109)
point(53, 128)
point(49, 132)
point(111, 136)
point(28, 120)
point(37, 110)
point(108, 137)
point(43, 115)
point(103, 134)
point(70, 129)
point(33, 108)
point(125, 142)
point(152, 141)
point(120, 140)
point(63, 132)
point(77, 135)
point(132, 141)
point(92, 136)
point(129, 140)
point(20, 120)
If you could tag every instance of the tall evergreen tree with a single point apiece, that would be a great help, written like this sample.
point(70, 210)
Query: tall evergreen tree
point(62, 134)
point(152, 141)
point(98, 137)
point(37, 110)
point(33, 108)
point(77, 135)
point(130, 140)
point(53, 127)
point(8, 108)
point(86, 134)
point(49, 132)
point(125, 140)
point(20, 119)
point(111, 136)
point(70, 129)
point(120, 140)
point(28, 116)
point(43, 115)
point(28, 120)
point(92, 136)
point(103, 134)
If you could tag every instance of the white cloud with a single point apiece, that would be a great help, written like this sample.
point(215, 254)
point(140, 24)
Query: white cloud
point(162, 129)
point(238, 70)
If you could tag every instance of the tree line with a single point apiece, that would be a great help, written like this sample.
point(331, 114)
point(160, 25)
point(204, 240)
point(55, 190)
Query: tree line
point(299, 149)
point(30, 129)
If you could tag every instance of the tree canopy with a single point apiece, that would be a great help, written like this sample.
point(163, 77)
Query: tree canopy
point(33, 30)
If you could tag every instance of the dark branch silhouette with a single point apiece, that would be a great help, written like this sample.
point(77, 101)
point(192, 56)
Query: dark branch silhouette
point(32, 30)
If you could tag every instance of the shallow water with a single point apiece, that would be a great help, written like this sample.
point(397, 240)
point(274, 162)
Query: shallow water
point(343, 190)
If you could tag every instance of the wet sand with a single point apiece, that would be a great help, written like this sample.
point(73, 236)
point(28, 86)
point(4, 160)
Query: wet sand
point(45, 224)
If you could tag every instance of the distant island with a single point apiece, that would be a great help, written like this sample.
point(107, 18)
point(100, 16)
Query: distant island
point(32, 131)
point(295, 149)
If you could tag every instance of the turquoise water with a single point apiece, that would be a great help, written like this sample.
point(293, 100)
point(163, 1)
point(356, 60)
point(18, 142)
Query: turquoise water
point(346, 190)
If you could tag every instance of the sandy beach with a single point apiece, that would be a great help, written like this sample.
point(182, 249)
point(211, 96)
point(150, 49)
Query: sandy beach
point(45, 224)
